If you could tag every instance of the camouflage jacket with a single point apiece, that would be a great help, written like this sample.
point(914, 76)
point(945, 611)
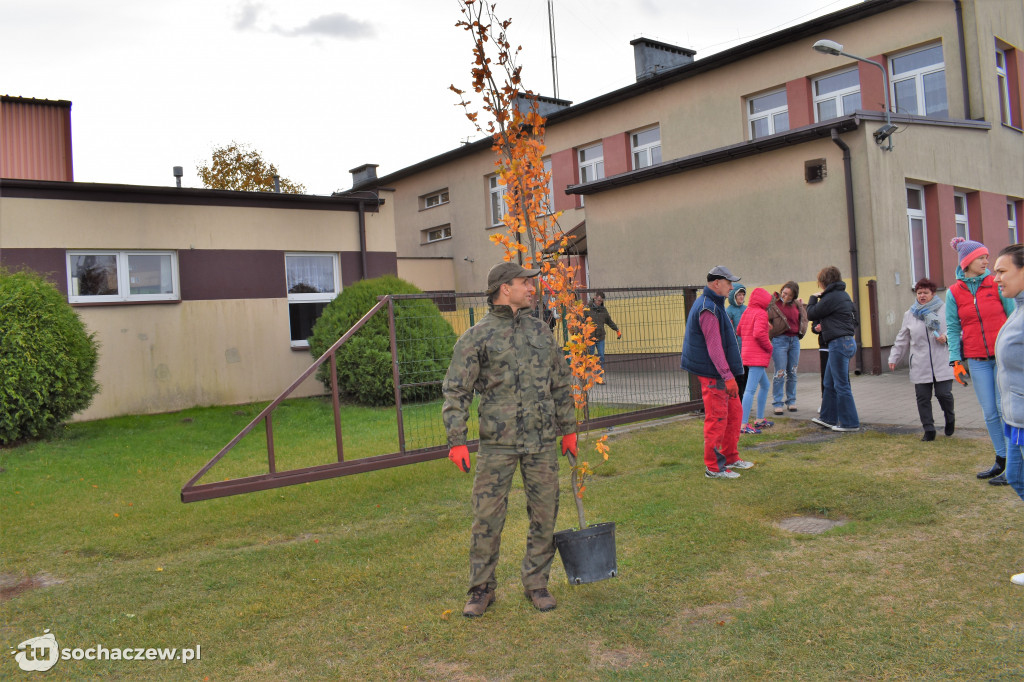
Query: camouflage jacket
point(515, 364)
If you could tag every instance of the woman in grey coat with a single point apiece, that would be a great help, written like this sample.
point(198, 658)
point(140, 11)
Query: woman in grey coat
point(922, 338)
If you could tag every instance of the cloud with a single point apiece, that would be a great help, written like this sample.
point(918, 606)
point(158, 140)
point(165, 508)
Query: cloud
point(247, 16)
point(336, 25)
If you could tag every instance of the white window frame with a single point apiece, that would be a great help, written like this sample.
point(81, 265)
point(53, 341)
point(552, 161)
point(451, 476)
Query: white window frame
point(595, 164)
point(317, 297)
point(495, 200)
point(643, 154)
point(443, 232)
point(435, 199)
point(963, 227)
point(836, 95)
point(917, 214)
point(122, 263)
point(1003, 85)
point(1011, 221)
point(918, 75)
point(768, 114)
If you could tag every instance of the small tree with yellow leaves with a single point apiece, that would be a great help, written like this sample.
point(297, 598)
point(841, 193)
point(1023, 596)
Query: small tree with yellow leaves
point(532, 235)
point(236, 166)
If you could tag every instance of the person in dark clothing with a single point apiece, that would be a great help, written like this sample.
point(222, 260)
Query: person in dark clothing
point(599, 316)
point(833, 309)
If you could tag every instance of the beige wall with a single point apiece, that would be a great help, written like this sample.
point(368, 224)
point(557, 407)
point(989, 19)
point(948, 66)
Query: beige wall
point(429, 274)
point(161, 358)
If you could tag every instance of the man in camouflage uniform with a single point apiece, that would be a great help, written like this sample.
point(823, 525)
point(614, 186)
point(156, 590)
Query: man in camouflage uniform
point(512, 360)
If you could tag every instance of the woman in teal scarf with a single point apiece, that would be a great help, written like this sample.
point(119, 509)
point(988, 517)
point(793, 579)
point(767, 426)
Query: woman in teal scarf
point(922, 339)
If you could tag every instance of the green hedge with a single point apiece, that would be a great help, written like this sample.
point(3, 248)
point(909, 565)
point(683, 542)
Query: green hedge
point(425, 343)
point(47, 359)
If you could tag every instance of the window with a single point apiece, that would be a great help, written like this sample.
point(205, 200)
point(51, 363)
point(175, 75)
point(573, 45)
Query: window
point(435, 199)
point(1011, 220)
point(960, 215)
point(592, 163)
point(313, 282)
point(767, 114)
point(918, 233)
point(919, 82)
point(1003, 85)
point(497, 192)
point(646, 147)
point(436, 234)
point(111, 276)
point(836, 95)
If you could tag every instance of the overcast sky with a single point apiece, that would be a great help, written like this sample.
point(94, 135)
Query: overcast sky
point(320, 86)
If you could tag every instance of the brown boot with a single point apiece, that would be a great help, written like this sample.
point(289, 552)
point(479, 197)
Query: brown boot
point(479, 599)
point(541, 598)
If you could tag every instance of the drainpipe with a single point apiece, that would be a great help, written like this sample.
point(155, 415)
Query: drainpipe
point(963, 57)
point(851, 223)
point(362, 236)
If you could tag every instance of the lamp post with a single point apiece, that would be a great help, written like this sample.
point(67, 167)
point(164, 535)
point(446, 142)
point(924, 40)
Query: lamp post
point(884, 133)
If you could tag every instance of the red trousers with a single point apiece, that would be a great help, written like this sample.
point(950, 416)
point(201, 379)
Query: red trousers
point(722, 422)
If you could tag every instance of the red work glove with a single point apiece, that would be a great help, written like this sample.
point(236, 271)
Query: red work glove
point(569, 443)
point(619, 334)
point(459, 455)
point(959, 372)
point(732, 388)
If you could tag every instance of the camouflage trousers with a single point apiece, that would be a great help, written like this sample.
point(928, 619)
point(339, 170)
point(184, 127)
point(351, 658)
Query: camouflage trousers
point(491, 487)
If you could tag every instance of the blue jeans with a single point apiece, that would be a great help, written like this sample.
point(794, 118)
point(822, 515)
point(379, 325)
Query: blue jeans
point(837, 406)
point(758, 379)
point(983, 374)
point(1015, 467)
point(598, 350)
point(785, 355)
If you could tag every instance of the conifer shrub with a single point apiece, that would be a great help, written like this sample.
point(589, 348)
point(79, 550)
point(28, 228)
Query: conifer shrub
point(425, 343)
point(47, 358)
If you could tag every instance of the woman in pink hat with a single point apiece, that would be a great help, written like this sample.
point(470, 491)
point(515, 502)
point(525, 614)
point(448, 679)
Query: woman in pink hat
point(975, 312)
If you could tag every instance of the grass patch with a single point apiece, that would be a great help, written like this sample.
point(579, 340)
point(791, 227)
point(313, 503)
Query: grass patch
point(364, 576)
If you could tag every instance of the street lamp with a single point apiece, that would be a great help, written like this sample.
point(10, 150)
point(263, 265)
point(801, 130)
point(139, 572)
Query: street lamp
point(884, 133)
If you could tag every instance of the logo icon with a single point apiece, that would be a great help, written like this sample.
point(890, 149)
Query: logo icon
point(38, 654)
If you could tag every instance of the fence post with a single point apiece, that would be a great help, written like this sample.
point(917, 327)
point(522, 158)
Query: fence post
point(395, 377)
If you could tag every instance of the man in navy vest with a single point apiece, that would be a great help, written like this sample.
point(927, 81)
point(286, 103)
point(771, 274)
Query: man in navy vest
point(711, 352)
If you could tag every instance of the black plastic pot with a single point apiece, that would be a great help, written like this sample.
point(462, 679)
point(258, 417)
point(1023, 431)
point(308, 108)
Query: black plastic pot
point(589, 554)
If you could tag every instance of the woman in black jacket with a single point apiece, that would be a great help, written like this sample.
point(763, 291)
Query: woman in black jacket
point(833, 309)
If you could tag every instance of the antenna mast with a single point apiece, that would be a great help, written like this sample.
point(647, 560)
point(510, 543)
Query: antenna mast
point(554, 51)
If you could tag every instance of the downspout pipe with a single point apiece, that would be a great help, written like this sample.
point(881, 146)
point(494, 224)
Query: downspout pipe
point(851, 223)
point(362, 237)
point(963, 58)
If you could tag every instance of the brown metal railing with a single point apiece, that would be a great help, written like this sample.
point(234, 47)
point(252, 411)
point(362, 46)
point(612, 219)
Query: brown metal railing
point(645, 382)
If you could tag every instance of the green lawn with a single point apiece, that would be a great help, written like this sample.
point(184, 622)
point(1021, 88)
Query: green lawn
point(363, 577)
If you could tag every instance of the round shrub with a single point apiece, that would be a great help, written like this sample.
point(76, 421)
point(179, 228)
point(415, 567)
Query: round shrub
point(425, 341)
point(47, 359)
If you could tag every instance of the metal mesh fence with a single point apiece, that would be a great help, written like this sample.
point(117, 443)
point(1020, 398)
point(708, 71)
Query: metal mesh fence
point(642, 377)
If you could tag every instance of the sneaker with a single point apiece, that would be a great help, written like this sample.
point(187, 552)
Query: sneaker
point(479, 599)
point(720, 474)
point(999, 480)
point(1018, 579)
point(747, 428)
point(778, 410)
point(541, 598)
point(846, 429)
point(763, 424)
point(791, 408)
point(740, 464)
point(821, 422)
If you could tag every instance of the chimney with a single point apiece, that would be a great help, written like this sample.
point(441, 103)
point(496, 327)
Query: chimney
point(652, 57)
point(545, 105)
point(365, 174)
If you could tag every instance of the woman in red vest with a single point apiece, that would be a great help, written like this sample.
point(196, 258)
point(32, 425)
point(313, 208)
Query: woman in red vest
point(975, 312)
